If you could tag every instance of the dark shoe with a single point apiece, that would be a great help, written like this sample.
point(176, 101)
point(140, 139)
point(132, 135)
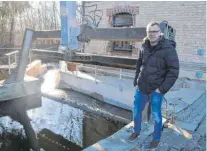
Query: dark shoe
point(133, 137)
point(154, 144)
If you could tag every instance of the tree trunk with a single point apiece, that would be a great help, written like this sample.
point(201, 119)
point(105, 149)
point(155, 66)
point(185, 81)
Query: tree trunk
point(54, 12)
point(39, 19)
point(45, 17)
point(21, 24)
point(11, 32)
point(2, 30)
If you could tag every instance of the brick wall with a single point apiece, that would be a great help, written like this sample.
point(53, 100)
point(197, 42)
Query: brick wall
point(188, 18)
point(96, 47)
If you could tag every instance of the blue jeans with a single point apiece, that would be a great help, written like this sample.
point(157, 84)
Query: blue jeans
point(140, 101)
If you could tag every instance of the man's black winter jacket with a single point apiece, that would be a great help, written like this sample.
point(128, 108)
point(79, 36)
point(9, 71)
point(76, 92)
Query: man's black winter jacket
point(157, 67)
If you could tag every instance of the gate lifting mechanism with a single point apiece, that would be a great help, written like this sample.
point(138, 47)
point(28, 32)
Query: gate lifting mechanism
point(72, 35)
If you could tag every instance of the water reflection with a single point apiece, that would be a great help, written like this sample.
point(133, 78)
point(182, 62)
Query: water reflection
point(59, 127)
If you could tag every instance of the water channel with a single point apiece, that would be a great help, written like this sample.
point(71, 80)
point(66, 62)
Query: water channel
point(59, 127)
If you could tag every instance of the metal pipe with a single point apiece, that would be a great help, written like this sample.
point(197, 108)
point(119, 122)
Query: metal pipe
point(9, 63)
point(95, 72)
point(166, 108)
point(120, 73)
point(15, 58)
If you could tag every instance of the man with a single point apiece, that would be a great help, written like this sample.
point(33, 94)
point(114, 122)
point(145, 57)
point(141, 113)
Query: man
point(156, 72)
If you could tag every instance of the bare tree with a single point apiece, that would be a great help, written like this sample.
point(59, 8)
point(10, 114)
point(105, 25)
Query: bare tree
point(9, 11)
point(15, 16)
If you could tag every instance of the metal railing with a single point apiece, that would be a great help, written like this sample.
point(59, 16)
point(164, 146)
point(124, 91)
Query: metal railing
point(9, 59)
point(119, 73)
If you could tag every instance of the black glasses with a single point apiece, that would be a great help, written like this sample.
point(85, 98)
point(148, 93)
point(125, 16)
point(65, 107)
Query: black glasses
point(153, 32)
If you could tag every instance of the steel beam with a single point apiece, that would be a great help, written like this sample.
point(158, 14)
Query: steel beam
point(47, 34)
point(15, 90)
point(69, 28)
point(112, 61)
point(18, 74)
point(47, 54)
point(116, 34)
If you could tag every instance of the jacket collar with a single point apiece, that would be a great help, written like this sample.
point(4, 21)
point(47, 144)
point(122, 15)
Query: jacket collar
point(161, 43)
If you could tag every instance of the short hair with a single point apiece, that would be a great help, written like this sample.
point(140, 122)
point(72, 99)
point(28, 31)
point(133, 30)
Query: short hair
point(153, 24)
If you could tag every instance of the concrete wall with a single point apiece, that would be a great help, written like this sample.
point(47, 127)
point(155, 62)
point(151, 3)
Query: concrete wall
point(96, 47)
point(188, 18)
point(116, 95)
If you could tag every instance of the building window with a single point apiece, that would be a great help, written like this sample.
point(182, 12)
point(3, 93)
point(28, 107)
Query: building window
point(122, 20)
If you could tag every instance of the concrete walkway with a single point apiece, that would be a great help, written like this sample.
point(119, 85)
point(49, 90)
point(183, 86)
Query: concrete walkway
point(118, 141)
point(186, 101)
